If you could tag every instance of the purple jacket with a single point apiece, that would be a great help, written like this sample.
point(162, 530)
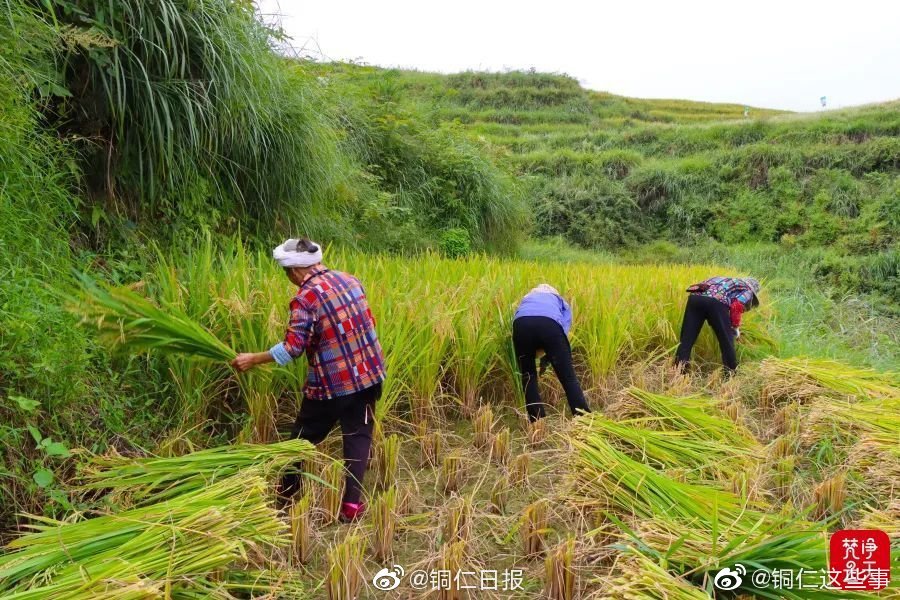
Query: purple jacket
point(546, 304)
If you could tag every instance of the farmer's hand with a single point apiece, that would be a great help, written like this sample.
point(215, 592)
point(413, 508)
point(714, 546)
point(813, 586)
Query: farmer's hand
point(737, 333)
point(245, 361)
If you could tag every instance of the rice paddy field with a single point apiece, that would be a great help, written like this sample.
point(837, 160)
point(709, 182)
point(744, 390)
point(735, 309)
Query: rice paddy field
point(672, 478)
point(153, 153)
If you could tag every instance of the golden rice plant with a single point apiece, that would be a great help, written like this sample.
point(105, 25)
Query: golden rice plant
point(432, 445)
point(559, 575)
point(500, 446)
point(500, 494)
point(533, 528)
point(452, 560)
point(450, 475)
point(830, 495)
point(518, 474)
point(636, 577)
point(387, 458)
point(301, 527)
point(384, 522)
point(457, 522)
point(483, 425)
point(345, 575)
point(537, 433)
point(799, 376)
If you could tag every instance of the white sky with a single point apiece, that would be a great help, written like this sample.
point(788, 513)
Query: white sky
point(771, 53)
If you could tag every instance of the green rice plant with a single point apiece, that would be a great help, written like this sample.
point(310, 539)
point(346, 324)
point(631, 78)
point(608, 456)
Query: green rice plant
point(143, 481)
point(559, 576)
point(384, 523)
point(387, 457)
point(778, 542)
point(450, 475)
point(167, 544)
point(500, 449)
point(477, 341)
point(332, 490)
point(457, 522)
point(533, 527)
point(301, 527)
point(483, 425)
point(126, 318)
point(344, 577)
point(665, 449)
point(787, 376)
point(696, 415)
point(636, 577)
point(606, 475)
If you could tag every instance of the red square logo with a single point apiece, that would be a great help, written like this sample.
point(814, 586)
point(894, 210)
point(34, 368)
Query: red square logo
point(859, 559)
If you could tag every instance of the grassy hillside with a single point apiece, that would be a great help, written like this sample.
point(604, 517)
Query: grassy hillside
point(159, 149)
point(606, 172)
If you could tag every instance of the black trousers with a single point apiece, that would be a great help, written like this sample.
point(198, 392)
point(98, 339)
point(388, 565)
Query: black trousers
point(317, 418)
point(531, 334)
point(702, 309)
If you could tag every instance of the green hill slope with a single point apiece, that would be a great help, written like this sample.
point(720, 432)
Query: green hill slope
point(605, 172)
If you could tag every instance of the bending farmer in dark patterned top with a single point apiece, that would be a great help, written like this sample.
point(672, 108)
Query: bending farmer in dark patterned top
point(330, 322)
point(719, 301)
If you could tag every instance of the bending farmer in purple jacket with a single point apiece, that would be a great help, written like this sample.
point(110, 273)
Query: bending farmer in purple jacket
point(542, 322)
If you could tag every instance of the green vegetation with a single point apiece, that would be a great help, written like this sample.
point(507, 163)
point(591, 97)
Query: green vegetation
point(606, 172)
point(151, 153)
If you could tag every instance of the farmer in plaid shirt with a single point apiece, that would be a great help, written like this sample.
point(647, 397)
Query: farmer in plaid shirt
point(719, 301)
point(331, 322)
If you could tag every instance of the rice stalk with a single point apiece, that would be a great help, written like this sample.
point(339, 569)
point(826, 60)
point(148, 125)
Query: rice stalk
point(331, 491)
point(518, 474)
point(301, 527)
point(457, 525)
point(500, 494)
point(785, 376)
point(450, 476)
point(636, 577)
point(387, 457)
point(187, 536)
point(154, 479)
point(533, 528)
point(344, 577)
point(432, 445)
point(384, 522)
point(559, 576)
point(830, 495)
point(483, 425)
point(500, 449)
point(128, 319)
point(452, 560)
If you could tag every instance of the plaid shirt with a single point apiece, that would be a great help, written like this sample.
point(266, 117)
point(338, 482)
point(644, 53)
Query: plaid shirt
point(332, 323)
point(731, 292)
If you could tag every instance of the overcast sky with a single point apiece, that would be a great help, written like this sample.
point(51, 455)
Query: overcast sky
point(778, 54)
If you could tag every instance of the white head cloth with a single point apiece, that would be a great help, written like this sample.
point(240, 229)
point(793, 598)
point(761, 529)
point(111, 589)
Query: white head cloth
point(545, 288)
point(287, 256)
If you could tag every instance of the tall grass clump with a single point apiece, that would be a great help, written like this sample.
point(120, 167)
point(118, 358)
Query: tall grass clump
point(180, 97)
